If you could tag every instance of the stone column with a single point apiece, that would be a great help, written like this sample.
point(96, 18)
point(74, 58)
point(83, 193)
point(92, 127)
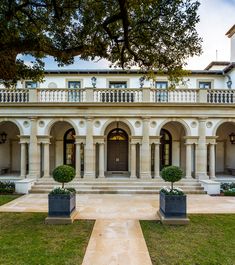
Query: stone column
point(89, 166)
point(133, 160)
point(145, 151)
point(188, 160)
point(157, 160)
point(23, 160)
point(212, 160)
point(101, 160)
point(46, 155)
point(33, 150)
point(78, 159)
point(201, 166)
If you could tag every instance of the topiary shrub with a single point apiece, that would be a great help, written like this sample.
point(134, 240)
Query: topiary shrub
point(63, 174)
point(172, 174)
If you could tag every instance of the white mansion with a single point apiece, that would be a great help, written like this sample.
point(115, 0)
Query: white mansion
point(113, 122)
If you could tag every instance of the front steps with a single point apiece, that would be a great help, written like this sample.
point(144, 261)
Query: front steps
point(117, 186)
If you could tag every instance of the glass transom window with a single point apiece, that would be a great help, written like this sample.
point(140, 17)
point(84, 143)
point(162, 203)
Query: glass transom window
point(30, 84)
point(204, 85)
point(161, 84)
point(74, 84)
point(118, 84)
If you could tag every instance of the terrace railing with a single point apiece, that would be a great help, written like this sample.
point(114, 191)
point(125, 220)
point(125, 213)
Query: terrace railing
point(118, 95)
point(14, 95)
point(110, 95)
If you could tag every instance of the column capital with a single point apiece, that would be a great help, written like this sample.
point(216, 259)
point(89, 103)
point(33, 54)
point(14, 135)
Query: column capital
point(80, 139)
point(98, 139)
point(44, 139)
point(24, 139)
point(191, 139)
point(211, 139)
point(155, 139)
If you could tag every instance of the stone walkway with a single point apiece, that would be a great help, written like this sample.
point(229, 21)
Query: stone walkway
point(117, 238)
point(117, 242)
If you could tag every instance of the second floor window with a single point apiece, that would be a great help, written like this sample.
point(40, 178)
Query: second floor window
point(117, 84)
point(161, 85)
point(204, 85)
point(30, 84)
point(74, 84)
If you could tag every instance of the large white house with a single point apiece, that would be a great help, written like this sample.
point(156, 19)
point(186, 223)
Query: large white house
point(112, 122)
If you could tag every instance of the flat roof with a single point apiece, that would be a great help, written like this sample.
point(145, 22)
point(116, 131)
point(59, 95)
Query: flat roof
point(121, 71)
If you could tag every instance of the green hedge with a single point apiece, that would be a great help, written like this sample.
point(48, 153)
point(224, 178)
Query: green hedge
point(7, 187)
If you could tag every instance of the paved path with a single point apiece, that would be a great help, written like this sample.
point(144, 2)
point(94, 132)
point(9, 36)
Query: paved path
point(110, 206)
point(117, 238)
point(117, 242)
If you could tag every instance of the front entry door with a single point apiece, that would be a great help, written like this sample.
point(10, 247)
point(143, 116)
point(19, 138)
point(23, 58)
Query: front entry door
point(117, 151)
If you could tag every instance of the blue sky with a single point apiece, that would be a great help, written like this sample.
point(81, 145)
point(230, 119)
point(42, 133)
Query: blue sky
point(216, 18)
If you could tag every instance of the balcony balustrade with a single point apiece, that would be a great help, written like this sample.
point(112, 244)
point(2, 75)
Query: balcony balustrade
point(110, 95)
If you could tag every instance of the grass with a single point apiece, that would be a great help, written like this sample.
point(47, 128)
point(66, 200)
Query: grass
point(7, 198)
point(26, 240)
point(207, 240)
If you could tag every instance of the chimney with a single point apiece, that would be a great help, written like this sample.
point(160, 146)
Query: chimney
point(231, 35)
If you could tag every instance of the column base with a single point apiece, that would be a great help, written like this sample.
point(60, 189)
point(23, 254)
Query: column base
point(133, 177)
point(101, 177)
point(156, 176)
point(46, 176)
point(201, 176)
point(78, 176)
point(145, 175)
point(89, 175)
point(188, 177)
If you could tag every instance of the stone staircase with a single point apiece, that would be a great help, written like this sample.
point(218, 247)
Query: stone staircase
point(117, 186)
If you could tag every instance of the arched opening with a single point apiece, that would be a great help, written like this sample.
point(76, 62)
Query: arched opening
point(62, 145)
point(69, 148)
point(117, 150)
point(10, 152)
point(172, 146)
point(224, 150)
point(165, 149)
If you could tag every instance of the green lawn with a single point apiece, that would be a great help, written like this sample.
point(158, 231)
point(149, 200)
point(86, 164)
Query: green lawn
point(207, 240)
point(7, 198)
point(26, 240)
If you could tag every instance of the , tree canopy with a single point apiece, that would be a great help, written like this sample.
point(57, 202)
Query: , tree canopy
point(150, 34)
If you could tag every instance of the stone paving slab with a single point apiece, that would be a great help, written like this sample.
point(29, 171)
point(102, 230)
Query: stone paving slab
point(117, 242)
point(109, 206)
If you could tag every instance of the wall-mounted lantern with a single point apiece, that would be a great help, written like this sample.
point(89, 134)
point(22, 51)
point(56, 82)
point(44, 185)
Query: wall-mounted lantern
point(3, 137)
point(93, 81)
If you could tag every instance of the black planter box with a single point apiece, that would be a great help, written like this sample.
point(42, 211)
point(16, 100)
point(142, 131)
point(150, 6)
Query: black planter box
point(173, 205)
point(61, 205)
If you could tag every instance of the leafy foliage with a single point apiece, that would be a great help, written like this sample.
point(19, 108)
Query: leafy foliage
point(63, 174)
point(149, 34)
point(7, 187)
point(62, 191)
point(175, 191)
point(172, 174)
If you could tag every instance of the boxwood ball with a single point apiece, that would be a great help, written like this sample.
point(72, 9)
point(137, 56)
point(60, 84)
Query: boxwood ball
point(172, 173)
point(63, 174)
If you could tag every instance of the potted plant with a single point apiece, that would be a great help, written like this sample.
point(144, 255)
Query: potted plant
point(172, 200)
point(62, 201)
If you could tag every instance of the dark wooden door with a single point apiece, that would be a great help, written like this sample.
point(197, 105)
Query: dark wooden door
point(117, 152)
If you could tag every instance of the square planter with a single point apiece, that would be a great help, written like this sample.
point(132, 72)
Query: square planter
point(173, 206)
point(61, 205)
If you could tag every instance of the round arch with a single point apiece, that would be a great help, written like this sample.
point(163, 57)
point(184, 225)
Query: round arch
point(54, 121)
point(216, 127)
point(15, 122)
point(181, 122)
point(130, 130)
